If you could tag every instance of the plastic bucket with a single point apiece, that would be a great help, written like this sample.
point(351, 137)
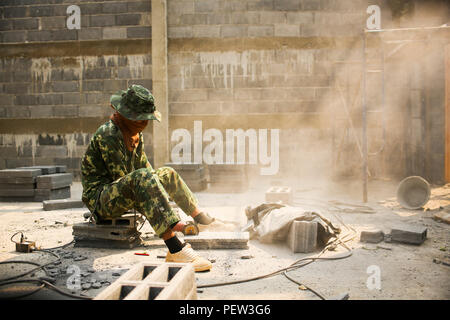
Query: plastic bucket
point(413, 192)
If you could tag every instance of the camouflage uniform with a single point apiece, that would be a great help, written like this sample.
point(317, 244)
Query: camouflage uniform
point(116, 180)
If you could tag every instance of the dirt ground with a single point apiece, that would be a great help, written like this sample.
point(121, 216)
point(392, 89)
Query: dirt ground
point(407, 271)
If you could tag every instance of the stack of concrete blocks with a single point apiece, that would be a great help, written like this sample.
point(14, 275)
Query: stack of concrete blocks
point(18, 184)
point(36, 183)
point(231, 178)
point(154, 281)
point(279, 194)
point(109, 233)
point(53, 186)
point(302, 236)
point(193, 174)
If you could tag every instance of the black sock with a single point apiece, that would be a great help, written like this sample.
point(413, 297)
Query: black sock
point(174, 244)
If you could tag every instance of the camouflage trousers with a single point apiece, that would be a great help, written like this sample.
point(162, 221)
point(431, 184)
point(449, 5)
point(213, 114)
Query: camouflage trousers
point(148, 191)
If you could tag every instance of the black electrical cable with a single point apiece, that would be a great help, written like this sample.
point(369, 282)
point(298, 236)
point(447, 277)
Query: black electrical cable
point(295, 265)
point(39, 265)
point(27, 294)
point(46, 283)
point(11, 280)
point(21, 237)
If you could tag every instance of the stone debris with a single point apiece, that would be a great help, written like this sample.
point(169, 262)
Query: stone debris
point(96, 285)
point(442, 216)
point(372, 236)
point(80, 258)
point(86, 286)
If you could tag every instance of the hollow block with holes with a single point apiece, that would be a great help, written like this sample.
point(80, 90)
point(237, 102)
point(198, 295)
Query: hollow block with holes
point(118, 232)
point(279, 194)
point(154, 281)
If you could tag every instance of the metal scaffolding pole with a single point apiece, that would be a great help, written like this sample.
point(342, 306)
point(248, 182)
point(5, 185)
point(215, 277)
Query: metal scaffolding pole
point(364, 121)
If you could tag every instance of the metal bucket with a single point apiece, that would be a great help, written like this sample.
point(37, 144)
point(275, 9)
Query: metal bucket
point(413, 192)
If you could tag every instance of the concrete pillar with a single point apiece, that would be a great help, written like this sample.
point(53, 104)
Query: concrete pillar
point(159, 75)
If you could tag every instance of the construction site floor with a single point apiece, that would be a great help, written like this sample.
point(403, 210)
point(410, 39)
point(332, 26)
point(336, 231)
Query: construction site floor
point(406, 271)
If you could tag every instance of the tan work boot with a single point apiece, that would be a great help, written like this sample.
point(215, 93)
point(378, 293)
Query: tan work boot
point(188, 255)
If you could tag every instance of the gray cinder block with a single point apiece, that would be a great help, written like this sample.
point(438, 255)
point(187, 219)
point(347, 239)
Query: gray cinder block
point(90, 231)
point(219, 240)
point(61, 204)
point(372, 236)
point(54, 181)
point(17, 192)
point(20, 173)
point(51, 194)
point(139, 32)
point(45, 169)
point(19, 180)
point(409, 234)
point(302, 236)
point(283, 194)
point(17, 186)
point(154, 280)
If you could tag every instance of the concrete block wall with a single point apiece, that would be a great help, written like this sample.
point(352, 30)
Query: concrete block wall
point(293, 65)
point(272, 62)
point(45, 20)
point(55, 83)
point(280, 64)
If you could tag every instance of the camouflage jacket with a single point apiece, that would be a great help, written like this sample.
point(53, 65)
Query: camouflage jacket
point(106, 160)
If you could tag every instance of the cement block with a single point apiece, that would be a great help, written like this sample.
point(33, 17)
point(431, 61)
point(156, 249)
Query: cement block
point(51, 194)
point(15, 12)
point(19, 180)
point(65, 86)
point(17, 192)
point(102, 21)
point(20, 173)
point(90, 231)
point(41, 11)
point(442, 216)
point(58, 35)
point(17, 186)
point(90, 34)
point(61, 204)
point(287, 5)
point(54, 181)
point(276, 194)
point(409, 234)
point(372, 236)
point(219, 240)
point(302, 236)
point(129, 243)
point(233, 31)
point(154, 280)
point(26, 24)
point(139, 32)
point(45, 169)
point(132, 19)
point(17, 199)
